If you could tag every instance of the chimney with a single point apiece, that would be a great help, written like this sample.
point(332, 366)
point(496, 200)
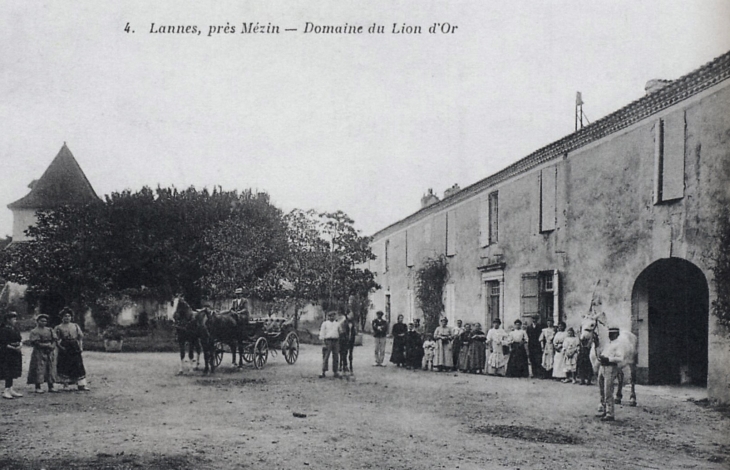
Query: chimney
point(429, 198)
point(452, 190)
point(655, 85)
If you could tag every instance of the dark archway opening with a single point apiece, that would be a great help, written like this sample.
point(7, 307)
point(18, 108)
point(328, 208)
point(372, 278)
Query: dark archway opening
point(675, 297)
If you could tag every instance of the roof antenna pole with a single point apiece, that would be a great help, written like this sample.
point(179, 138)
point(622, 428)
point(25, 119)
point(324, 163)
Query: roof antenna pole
point(578, 110)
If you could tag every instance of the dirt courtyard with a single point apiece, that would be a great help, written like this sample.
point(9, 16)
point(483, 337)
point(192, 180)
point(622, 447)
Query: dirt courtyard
point(140, 414)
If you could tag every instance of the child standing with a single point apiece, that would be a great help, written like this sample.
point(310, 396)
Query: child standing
point(571, 345)
point(429, 349)
point(43, 360)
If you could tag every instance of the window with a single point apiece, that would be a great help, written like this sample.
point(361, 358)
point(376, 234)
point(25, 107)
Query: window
point(539, 294)
point(669, 135)
point(548, 192)
point(493, 217)
point(451, 233)
point(493, 294)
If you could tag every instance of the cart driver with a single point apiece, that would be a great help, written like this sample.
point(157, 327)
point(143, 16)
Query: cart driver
point(239, 303)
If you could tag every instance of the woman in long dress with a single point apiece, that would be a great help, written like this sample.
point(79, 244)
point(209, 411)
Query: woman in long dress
point(11, 357)
point(463, 340)
point(497, 340)
point(414, 348)
point(548, 350)
point(43, 359)
point(558, 367)
point(398, 354)
point(443, 359)
point(70, 364)
point(476, 355)
point(517, 366)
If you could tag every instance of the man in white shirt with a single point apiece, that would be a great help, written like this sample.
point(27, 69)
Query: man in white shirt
point(610, 358)
point(329, 333)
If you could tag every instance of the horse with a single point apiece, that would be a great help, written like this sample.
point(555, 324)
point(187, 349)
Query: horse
point(188, 330)
point(595, 327)
point(226, 327)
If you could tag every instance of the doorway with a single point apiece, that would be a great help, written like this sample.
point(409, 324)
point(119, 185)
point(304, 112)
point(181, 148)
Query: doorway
point(670, 303)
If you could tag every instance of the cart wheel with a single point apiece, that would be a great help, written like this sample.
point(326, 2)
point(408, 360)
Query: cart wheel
point(247, 353)
point(260, 352)
point(218, 354)
point(290, 347)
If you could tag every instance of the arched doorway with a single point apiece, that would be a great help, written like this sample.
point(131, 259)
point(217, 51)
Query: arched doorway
point(670, 305)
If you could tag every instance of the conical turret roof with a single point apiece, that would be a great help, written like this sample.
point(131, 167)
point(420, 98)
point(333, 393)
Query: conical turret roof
point(63, 183)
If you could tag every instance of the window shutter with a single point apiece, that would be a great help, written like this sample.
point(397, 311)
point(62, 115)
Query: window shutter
point(494, 217)
point(385, 256)
point(673, 162)
point(451, 233)
point(547, 199)
point(483, 222)
point(529, 292)
point(410, 248)
point(556, 297)
point(658, 158)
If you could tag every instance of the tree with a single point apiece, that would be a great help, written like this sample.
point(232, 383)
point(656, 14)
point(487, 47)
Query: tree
point(245, 249)
point(430, 281)
point(324, 260)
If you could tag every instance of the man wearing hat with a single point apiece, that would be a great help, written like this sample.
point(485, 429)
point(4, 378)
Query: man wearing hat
point(239, 303)
point(610, 358)
point(11, 357)
point(380, 330)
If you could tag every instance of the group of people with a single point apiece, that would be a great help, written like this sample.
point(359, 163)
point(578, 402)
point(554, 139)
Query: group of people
point(56, 356)
point(537, 351)
point(338, 341)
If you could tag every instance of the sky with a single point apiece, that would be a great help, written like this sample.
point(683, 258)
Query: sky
point(363, 123)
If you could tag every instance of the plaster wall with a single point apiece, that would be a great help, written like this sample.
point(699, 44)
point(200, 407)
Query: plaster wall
point(609, 228)
point(22, 219)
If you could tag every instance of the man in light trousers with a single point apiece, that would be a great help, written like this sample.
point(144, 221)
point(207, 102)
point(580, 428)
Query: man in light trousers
point(329, 333)
point(380, 330)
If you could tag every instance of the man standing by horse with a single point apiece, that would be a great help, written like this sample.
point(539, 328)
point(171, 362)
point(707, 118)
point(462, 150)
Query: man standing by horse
point(610, 359)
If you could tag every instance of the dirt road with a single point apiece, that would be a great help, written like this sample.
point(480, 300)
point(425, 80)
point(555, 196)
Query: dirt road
point(141, 415)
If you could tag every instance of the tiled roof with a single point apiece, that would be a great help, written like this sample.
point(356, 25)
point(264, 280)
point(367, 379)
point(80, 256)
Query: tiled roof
point(678, 90)
point(62, 183)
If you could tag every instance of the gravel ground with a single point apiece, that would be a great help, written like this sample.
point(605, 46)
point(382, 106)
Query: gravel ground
point(140, 414)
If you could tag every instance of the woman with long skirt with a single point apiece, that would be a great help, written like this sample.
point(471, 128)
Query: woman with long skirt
point(443, 359)
point(398, 354)
point(11, 357)
point(517, 366)
point(70, 365)
point(498, 342)
point(559, 359)
point(43, 359)
point(548, 350)
point(464, 339)
point(476, 354)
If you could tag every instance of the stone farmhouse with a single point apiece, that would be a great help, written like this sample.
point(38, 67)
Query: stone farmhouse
point(631, 200)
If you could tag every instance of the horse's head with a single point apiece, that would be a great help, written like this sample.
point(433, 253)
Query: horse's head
point(183, 313)
point(588, 327)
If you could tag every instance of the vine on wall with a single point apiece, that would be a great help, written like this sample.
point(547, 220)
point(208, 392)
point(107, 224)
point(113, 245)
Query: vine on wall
point(430, 281)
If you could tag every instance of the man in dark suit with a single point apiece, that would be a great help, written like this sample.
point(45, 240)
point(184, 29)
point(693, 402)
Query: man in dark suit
point(534, 347)
point(348, 332)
